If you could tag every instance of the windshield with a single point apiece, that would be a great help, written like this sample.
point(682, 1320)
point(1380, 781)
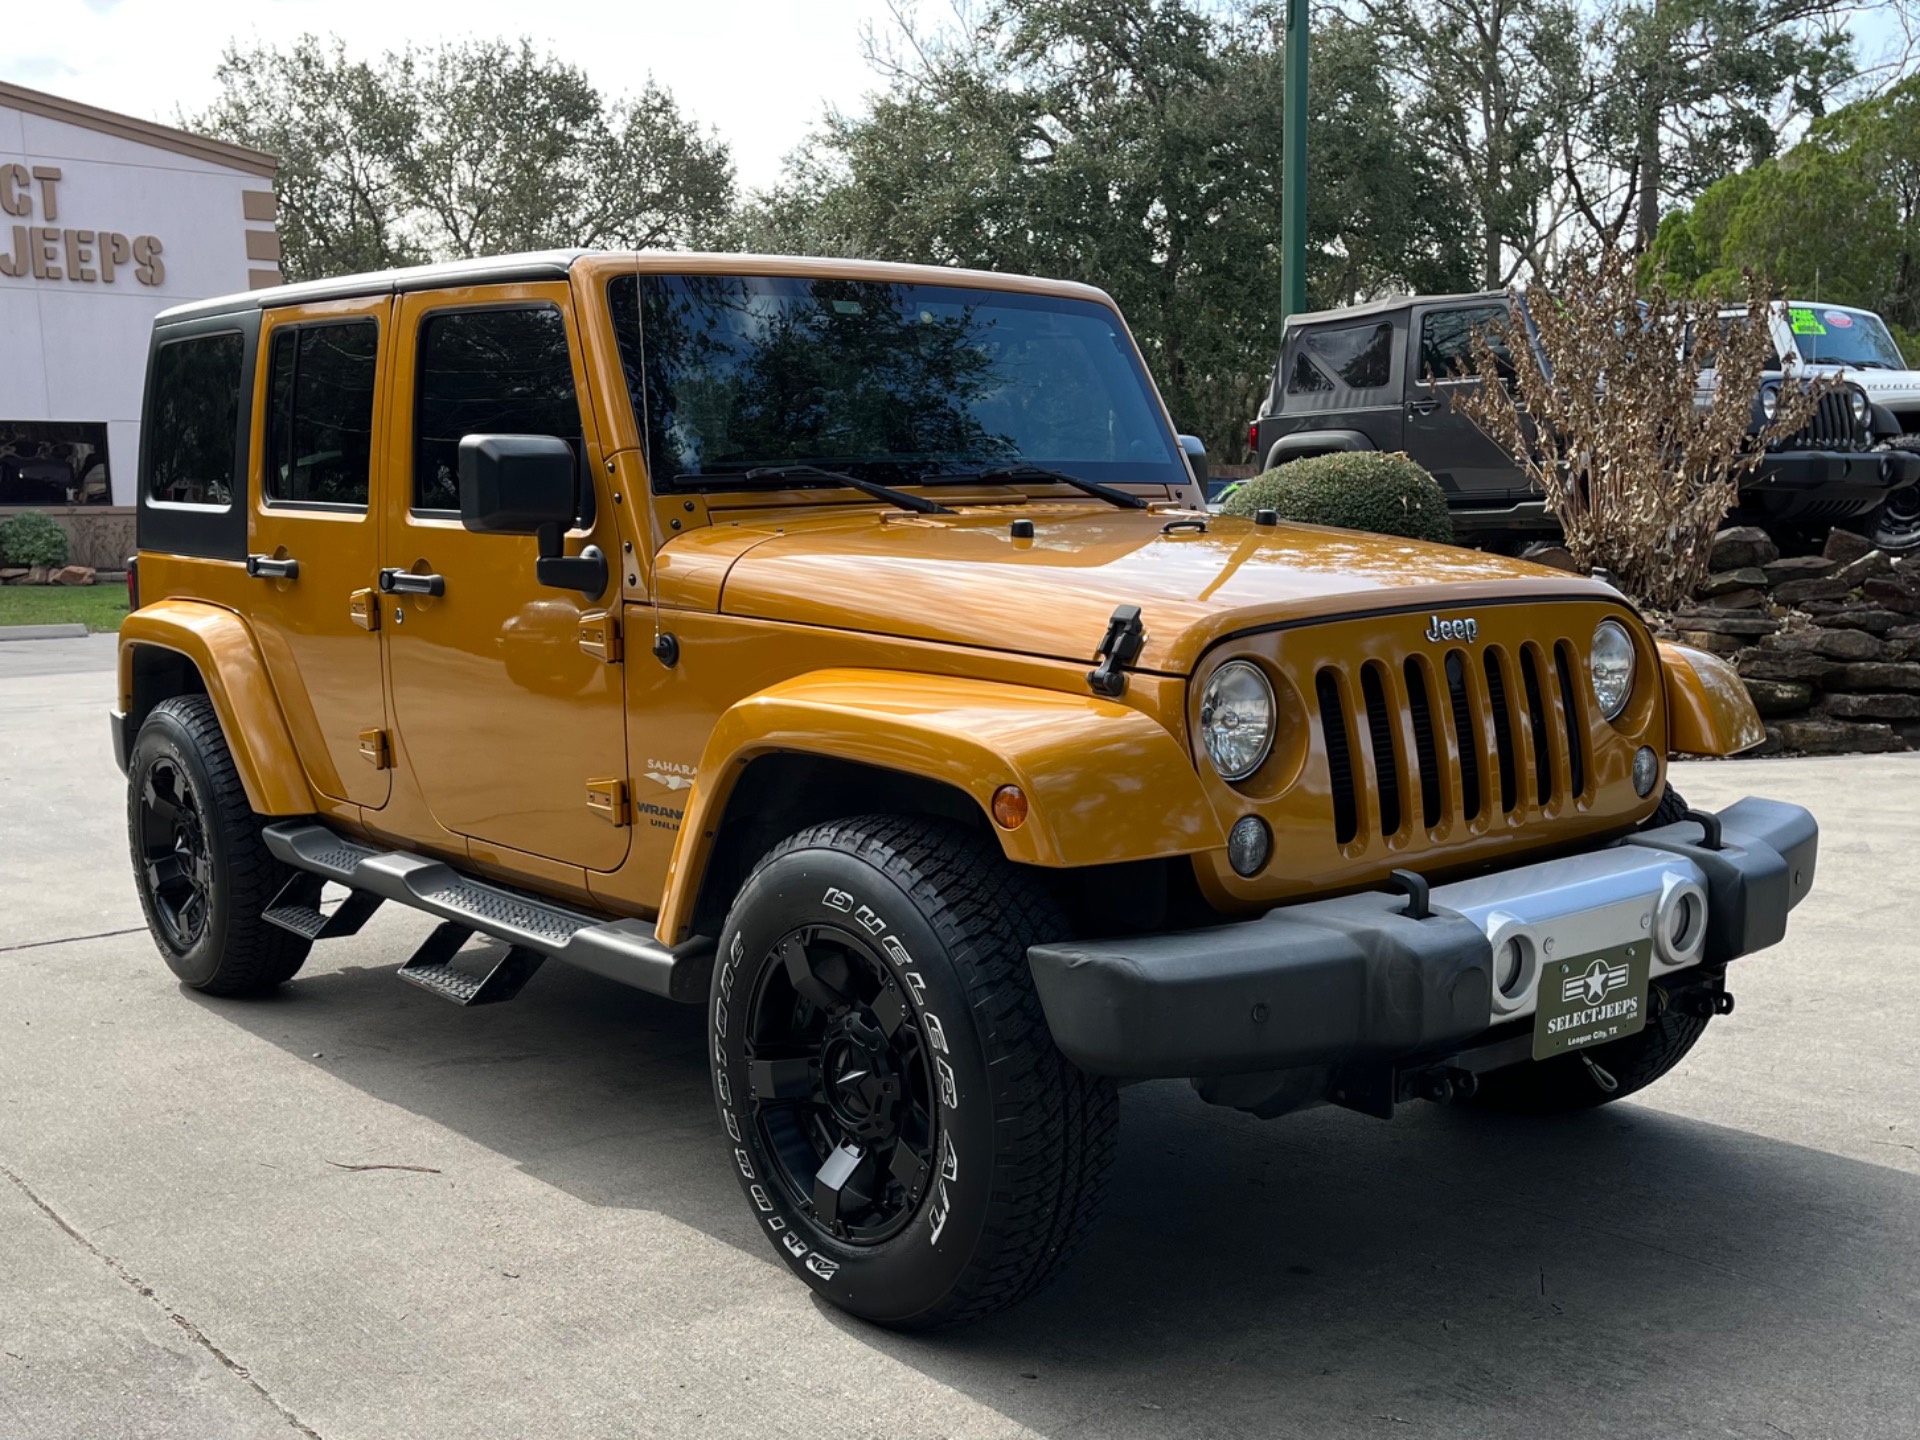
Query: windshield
point(1829, 336)
point(890, 382)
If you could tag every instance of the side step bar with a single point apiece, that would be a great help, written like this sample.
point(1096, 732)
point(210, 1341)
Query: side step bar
point(623, 950)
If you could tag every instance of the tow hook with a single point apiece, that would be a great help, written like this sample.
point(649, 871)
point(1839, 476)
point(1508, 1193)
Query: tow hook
point(1446, 1084)
point(1706, 1006)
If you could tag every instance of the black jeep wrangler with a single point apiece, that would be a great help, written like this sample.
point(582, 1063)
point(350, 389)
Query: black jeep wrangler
point(1382, 376)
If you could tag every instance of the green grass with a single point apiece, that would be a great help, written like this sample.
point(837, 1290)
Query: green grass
point(98, 607)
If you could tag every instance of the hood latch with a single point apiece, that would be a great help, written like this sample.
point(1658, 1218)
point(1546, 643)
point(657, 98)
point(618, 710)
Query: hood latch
point(1119, 647)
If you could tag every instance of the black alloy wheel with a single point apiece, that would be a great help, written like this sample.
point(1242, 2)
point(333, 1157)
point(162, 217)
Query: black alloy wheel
point(204, 873)
point(842, 1084)
point(174, 854)
point(901, 1124)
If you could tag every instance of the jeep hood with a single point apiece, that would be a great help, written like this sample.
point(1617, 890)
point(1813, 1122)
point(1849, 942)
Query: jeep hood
point(965, 580)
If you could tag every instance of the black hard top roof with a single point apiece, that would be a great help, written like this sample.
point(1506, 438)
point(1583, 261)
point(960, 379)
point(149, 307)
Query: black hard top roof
point(1392, 303)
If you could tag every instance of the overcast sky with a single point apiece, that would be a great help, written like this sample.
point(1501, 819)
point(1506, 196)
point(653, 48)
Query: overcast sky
point(761, 72)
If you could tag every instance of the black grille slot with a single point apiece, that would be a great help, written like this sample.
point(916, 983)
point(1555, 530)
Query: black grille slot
point(1831, 427)
point(1569, 668)
point(1373, 691)
point(1537, 718)
point(1333, 726)
point(1426, 753)
point(1466, 733)
point(1502, 730)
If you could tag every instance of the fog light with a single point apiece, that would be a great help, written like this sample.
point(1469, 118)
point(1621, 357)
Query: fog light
point(1248, 845)
point(1646, 771)
point(1009, 807)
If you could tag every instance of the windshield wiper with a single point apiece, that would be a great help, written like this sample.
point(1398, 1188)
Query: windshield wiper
point(1023, 471)
point(917, 503)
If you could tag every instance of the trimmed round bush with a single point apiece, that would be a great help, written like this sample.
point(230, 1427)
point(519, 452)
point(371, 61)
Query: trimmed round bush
point(32, 539)
point(1354, 490)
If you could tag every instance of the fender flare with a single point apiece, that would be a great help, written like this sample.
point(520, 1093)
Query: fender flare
point(1304, 444)
point(219, 645)
point(1105, 783)
point(1708, 709)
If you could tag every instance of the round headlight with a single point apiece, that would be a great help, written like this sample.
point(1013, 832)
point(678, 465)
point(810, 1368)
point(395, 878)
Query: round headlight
point(1236, 719)
point(1858, 400)
point(1769, 400)
point(1612, 666)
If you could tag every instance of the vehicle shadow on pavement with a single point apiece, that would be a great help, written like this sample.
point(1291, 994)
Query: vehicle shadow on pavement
point(1622, 1271)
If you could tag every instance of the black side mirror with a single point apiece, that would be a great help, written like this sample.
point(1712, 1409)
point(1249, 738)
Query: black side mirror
point(524, 485)
point(1196, 453)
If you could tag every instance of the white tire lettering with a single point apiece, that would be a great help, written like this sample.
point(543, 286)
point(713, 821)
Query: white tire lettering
point(821, 1266)
point(937, 1213)
point(949, 1161)
point(746, 1165)
point(897, 952)
point(838, 900)
point(795, 1246)
point(760, 1200)
point(936, 1032)
point(949, 1087)
point(733, 1127)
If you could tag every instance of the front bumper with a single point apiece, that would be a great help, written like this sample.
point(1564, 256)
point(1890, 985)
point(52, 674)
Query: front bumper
point(1355, 982)
point(1829, 484)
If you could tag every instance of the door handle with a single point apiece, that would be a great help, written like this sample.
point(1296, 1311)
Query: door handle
point(265, 567)
point(405, 582)
point(1422, 407)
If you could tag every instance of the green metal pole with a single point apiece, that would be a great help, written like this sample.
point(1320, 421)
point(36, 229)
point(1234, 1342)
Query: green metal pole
point(1293, 184)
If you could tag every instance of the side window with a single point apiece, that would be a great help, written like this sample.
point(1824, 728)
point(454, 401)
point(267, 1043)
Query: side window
point(1357, 356)
point(492, 372)
point(320, 413)
point(1446, 341)
point(193, 420)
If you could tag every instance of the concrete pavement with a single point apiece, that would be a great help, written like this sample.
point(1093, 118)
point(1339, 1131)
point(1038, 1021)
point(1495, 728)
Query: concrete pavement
point(187, 1248)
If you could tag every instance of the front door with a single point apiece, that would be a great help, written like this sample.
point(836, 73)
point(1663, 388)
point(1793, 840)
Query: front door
point(1472, 469)
point(503, 720)
point(313, 537)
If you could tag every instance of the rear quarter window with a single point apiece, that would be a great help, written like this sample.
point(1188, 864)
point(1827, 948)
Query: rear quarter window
point(193, 420)
point(1359, 357)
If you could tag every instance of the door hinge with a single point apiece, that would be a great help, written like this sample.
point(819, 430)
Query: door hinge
point(600, 636)
point(363, 608)
point(375, 750)
point(608, 800)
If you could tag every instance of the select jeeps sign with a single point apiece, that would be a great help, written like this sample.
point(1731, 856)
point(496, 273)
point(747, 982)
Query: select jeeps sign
point(46, 251)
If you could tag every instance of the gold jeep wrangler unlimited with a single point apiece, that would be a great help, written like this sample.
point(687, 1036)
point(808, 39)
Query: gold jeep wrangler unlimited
point(845, 648)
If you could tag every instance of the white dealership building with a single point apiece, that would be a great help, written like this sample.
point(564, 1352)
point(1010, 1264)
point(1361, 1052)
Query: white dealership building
point(106, 220)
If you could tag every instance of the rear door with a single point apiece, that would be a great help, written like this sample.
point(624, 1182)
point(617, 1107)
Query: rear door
point(313, 537)
point(1470, 467)
point(503, 720)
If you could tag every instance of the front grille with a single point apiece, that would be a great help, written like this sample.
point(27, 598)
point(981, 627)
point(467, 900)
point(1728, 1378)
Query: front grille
point(1831, 428)
point(1507, 741)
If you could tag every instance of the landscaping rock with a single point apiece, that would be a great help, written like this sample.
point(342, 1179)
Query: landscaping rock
point(73, 575)
point(1892, 592)
point(1778, 697)
point(36, 575)
point(1874, 562)
point(1762, 665)
point(1830, 616)
point(1877, 675)
point(1820, 735)
point(1557, 557)
point(1834, 644)
point(1728, 581)
point(1870, 707)
point(1843, 547)
point(1798, 567)
point(1741, 600)
point(1793, 592)
point(13, 575)
point(1740, 546)
point(1726, 621)
point(1712, 641)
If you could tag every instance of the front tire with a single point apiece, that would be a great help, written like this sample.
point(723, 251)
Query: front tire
point(898, 1117)
point(203, 871)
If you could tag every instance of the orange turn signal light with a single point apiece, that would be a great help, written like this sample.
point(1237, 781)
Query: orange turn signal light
point(1010, 807)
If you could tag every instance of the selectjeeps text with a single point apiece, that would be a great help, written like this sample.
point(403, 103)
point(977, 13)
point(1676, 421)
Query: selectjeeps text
point(845, 648)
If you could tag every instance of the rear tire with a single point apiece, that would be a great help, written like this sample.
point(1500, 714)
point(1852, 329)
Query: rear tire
point(898, 1117)
point(203, 871)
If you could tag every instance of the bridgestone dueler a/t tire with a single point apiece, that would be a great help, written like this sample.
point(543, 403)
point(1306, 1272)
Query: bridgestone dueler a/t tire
point(238, 953)
point(1020, 1186)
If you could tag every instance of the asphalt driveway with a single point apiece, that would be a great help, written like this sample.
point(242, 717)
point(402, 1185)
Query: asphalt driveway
point(353, 1210)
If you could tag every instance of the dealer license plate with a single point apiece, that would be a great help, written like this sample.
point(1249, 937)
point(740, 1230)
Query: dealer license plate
point(1591, 999)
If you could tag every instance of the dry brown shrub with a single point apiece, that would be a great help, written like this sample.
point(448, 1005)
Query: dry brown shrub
point(1601, 411)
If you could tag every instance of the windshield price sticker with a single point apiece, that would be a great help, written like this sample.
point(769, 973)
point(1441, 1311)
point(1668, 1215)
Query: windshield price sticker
point(1839, 319)
point(1803, 322)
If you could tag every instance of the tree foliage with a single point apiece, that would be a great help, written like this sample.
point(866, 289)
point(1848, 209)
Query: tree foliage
point(1836, 218)
point(465, 148)
point(1134, 144)
point(1604, 412)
